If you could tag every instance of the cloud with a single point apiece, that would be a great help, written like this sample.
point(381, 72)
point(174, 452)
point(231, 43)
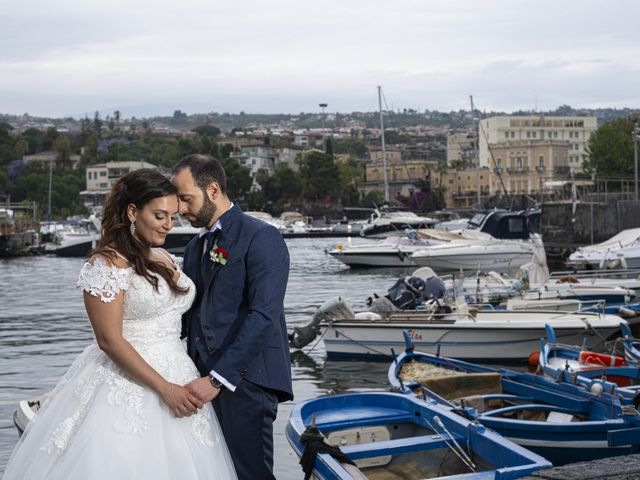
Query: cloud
point(286, 55)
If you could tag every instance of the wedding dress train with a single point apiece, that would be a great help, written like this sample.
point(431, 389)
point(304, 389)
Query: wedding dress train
point(99, 424)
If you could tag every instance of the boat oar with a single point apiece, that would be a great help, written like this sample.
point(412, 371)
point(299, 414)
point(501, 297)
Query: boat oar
point(455, 446)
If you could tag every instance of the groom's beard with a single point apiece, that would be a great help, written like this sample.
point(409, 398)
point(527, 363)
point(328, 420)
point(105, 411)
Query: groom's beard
point(203, 216)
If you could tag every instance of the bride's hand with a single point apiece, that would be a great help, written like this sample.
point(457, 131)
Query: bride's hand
point(181, 402)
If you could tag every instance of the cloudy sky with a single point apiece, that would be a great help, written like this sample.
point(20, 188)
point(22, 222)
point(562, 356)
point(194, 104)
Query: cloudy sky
point(147, 57)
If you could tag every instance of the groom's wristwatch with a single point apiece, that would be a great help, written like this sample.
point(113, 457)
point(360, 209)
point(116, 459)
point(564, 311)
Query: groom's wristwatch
point(215, 383)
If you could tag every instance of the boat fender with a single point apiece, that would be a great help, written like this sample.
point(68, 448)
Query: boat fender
point(332, 309)
point(534, 359)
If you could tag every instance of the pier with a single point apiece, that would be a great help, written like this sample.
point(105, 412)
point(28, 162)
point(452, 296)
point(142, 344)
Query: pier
point(18, 230)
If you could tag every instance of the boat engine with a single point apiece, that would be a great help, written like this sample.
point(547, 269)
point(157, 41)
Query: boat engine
point(332, 309)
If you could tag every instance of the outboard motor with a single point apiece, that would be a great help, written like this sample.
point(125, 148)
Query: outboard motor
point(405, 291)
point(332, 309)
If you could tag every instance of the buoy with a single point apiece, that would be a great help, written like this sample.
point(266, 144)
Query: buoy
point(534, 359)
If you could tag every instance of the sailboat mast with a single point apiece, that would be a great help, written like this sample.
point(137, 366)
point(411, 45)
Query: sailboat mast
point(476, 156)
point(384, 151)
point(49, 195)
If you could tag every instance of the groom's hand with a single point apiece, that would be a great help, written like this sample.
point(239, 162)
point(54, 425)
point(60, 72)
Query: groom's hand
point(202, 389)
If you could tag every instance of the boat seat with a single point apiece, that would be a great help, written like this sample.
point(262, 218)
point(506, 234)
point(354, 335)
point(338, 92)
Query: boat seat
point(576, 405)
point(397, 446)
point(364, 416)
point(531, 407)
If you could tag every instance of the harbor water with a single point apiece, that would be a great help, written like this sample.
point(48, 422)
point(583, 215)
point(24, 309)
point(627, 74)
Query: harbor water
point(43, 326)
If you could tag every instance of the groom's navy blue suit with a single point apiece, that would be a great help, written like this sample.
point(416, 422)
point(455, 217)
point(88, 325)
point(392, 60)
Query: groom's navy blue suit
point(236, 328)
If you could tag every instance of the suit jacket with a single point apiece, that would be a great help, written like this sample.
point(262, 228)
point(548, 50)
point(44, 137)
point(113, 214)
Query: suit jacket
point(236, 325)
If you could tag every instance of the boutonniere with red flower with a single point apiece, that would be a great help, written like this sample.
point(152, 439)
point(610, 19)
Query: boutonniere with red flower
point(218, 254)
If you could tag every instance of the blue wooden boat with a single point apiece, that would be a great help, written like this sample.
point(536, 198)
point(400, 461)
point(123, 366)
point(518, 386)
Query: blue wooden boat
point(563, 422)
point(630, 344)
point(597, 371)
point(392, 436)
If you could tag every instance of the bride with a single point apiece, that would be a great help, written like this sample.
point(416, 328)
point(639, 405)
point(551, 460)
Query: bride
point(121, 410)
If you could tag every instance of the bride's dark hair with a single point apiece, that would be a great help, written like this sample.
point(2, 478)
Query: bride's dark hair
point(138, 187)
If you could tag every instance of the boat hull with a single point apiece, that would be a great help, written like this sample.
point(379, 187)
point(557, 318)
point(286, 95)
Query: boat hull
point(459, 259)
point(375, 259)
point(501, 340)
point(78, 248)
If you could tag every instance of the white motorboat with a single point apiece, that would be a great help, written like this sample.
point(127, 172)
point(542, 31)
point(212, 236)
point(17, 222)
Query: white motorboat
point(473, 255)
point(384, 221)
point(620, 251)
point(498, 240)
point(494, 288)
point(534, 283)
point(626, 278)
point(390, 252)
point(268, 218)
point(27, 409)
point(179, 235)
point(75, 239)
point(485, 336)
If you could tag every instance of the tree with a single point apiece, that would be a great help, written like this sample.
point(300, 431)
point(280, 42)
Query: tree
point(179, 117)
point(393, 137)
point(610, 149)
point(351, 176)
point(97, 124)
point(238, 178)
point(7, 141)
point(284, 186)
point(90, 155)
point(36, 140)
point(207, 131)
point(62, 146)
point(33, 185)
point(21, 148)
point(319, 174)
point(350, 146)
point(226, 149)
point(374, 197)
point(208, 146)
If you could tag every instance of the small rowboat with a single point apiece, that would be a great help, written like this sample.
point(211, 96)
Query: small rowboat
point(27, 409)
point(391, 437)
point(564, 423)
point(574, 364)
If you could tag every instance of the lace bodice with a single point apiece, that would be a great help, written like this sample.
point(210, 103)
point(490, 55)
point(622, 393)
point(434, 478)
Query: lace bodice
point(148, 315)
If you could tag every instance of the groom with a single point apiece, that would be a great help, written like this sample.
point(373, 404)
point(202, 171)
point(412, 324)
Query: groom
point(236, 331)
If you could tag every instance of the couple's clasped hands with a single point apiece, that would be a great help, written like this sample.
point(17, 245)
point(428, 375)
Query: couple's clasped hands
point(186, 400)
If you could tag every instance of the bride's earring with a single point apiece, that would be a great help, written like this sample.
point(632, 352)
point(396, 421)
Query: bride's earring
point(132, 227)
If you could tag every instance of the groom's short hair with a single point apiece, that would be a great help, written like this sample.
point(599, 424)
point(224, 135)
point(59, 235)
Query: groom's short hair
point(204, 170)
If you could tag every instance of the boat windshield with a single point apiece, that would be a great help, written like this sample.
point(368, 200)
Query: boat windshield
point(397, 241)
point(476, 222)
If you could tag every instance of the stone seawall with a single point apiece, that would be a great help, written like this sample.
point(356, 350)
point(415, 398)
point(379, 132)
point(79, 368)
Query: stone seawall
point(563, 230)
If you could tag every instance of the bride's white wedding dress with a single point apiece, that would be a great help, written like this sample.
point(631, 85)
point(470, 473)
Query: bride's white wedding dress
point(99, 424)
